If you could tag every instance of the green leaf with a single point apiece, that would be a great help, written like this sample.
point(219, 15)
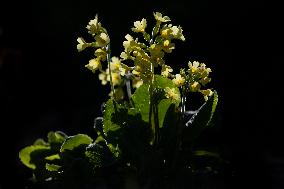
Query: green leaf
point(53, 157)
point(56, 137)
point(75, 141)
point(52, 167)
point(162, 110)
point(201, 119)
point(141, 99)
point(110, 110)
point(124, 128)
point(25, 154)
point(40, 142)
point(99, 155)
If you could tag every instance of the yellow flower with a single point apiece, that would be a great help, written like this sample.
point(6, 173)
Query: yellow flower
point(116, 79)
point(137, 82)
point(193, 67)
point(101, 54)
point(168, 46)
point(82, 44)
point(206, 93)
point(124, 56)
point(137, 70)
point(194, 87)
point(166, 32)
point(178, 80)
point(204, 80)
point(102, 40)
point(139, 26)
point(156, 51)
point(172, 93)
point(115, 64)
point(127, 44)
point(94, 64)
point(177, 33)
point(204, 71)
point(166, 70)
point(159, 17)
point(94, 26)
point(103, 78)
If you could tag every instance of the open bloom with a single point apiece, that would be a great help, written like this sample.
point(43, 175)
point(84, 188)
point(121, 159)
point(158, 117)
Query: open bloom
point(94, 26)
point(172, 93)
point(102, 40)
point(178, 80)
point(160, 18)
point(82, 44)
point(194, 87)
point(166, 70)
point(94, 64)
point(115, 64)
point(139, 26)
point(206, 93)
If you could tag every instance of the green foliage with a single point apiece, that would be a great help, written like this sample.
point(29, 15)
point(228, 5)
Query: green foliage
point(141, 99)
point(75, 141)
point(148, 134)
point(26, 154)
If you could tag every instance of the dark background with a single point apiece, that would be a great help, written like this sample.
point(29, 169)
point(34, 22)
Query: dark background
point(44, 85)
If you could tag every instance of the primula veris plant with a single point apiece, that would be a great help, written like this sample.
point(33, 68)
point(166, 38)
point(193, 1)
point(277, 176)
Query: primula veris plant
point(147, 133)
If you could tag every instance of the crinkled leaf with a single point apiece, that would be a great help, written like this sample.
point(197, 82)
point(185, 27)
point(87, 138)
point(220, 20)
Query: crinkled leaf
point(75, 141)
point(56, 137)
point(40, 142)
point(99, 155)
point(124, 128)
point(110, 109)
point(25, 154)
point(53, 157)
point(52, 167)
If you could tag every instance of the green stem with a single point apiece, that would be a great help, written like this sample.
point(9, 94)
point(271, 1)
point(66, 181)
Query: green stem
point(179, 129)
point(110, 74)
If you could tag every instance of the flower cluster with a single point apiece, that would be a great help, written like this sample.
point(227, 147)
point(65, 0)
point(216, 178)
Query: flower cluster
point(100, 44)
point(146, 57)
point(195, 77)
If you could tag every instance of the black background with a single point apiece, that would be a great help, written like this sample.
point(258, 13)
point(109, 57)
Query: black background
point(44, 85)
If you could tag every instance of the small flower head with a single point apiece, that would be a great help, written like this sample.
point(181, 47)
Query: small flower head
point(193, 67)
point(82, 44)
point(159, 17)
point(206, 93)
point(116, 78)
point(94, 26)
point(172, 93)
point(194, 87)
point(101, 54)
point(140, 26)
point(94, 64)
point(103, 78)
point(168, 46)
point(102, 40)
point(166, 70)
point(115, 64)
point(177, 33)
point(178, 80)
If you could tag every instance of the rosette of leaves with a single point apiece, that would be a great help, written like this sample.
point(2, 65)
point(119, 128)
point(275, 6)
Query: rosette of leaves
point(65, 160)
